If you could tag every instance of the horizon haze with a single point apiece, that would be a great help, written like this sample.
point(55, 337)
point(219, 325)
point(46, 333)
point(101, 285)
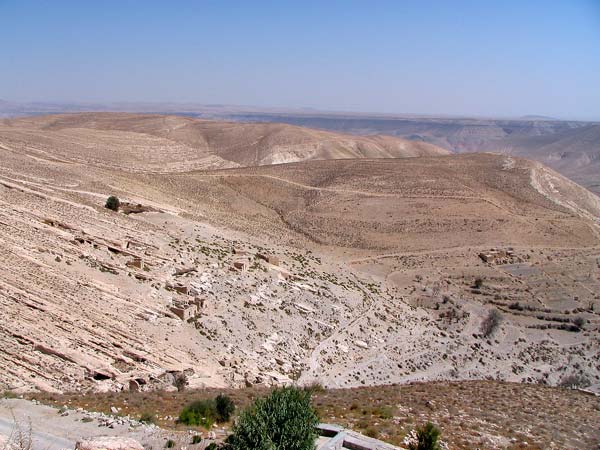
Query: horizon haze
point(460, 59)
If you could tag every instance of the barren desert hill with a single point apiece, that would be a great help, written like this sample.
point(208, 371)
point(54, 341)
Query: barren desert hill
point(346, 272)
point(575, 153)
point(173, 143)
point(378, 205)
point(569, 147)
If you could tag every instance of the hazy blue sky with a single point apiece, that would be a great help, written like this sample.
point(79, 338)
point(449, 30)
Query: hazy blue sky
point(510, 57)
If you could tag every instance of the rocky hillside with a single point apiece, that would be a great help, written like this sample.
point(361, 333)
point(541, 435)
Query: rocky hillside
point(348, 272)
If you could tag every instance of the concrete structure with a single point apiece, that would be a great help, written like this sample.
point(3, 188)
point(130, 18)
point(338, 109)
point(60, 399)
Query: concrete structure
point(334, 437)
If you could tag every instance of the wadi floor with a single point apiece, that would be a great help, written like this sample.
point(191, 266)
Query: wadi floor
point(471, 414)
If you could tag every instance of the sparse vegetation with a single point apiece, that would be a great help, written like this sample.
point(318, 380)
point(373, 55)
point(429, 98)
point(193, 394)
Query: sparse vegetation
point(516, 306)
point(283, 420)
point(579, 322)
point(8, 394)
point(112, 203)
point(427, 438)
point(574, 381)
point(490, 407)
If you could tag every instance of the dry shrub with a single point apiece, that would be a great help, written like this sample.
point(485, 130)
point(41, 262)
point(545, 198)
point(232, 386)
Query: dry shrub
point(491, 323)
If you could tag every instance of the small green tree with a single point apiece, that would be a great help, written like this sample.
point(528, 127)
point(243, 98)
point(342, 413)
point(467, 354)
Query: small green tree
point(285, 420)
point(112, 203)
point(225, 408)
point(427, 438)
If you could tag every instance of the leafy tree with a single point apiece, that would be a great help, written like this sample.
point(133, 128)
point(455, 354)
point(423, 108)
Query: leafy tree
point(224, 407)
point(427, 438)
point(285, 420)
point(112, 203)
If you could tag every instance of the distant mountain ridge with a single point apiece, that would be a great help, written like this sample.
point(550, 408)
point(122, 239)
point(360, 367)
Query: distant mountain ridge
point(569, 146)
point(167, 143)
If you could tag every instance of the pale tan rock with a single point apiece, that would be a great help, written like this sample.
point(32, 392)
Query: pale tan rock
point(108, 443)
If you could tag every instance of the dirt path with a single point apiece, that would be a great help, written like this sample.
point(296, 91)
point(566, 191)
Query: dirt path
point(53, 431)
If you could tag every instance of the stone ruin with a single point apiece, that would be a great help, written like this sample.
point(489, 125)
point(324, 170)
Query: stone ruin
point(186, 310)
point(499, 256)
point(241, 264)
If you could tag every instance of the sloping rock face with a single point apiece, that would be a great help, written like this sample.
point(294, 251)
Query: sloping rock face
point(376, 261)
point(109, 443)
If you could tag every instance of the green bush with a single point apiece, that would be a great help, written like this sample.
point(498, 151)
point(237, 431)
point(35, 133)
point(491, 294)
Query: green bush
point(427, 438)
point(196, 439)
point(170, 443)
point(112, 203)
point(285, 420)
point(148, 417)
point(206, 412)
point(372, 432)
point(224, 407)
point(200, 412)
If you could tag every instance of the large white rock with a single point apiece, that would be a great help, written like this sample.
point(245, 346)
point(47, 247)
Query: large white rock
point(108, 443)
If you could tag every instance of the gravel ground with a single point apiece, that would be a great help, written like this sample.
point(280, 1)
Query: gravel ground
point(54, 429)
